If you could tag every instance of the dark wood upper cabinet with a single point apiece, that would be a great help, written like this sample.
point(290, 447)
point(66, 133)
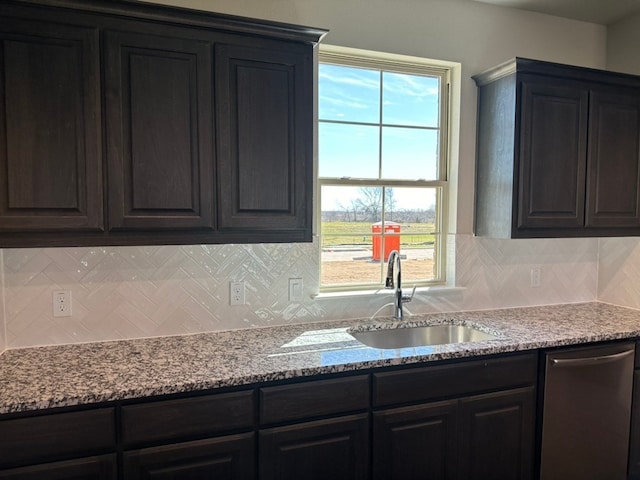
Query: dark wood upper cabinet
point(264, 119)
point(558, 152)
point(552, 153)
point(124, 123)
point(613, 165)
point(159, 124)
point(50, 122)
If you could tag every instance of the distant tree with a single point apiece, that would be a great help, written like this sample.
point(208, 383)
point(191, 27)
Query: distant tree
point(346, 216)
point(354, 209)
point(389, 203)
point(369, 202)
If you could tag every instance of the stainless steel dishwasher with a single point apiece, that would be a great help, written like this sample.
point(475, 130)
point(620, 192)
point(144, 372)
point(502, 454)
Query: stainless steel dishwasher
point(587, 413)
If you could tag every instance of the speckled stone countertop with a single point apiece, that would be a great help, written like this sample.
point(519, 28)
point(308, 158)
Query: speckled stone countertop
point(45, 377)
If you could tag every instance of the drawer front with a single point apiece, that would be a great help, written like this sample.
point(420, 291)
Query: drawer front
point(313, 399)
point(227, 457)
point(170, 420)
point(429, 383)
point(51, 437)
point(103, 467)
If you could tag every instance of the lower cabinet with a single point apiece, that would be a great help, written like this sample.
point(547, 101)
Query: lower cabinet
point(326, 431)
point(336, 449)
point(488, 436)
point(410, 441)
point(102, 467)
point(470, 419)
point(466, 420)
point(224, 458)
point(205, 436)
point(497, 440)
point(77, 445)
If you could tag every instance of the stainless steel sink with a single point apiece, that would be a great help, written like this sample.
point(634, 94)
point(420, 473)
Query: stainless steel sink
point(421, 336)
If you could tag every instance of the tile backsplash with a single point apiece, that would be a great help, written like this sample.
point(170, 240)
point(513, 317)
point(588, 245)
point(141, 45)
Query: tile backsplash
point(619, 271)
point(131, 292)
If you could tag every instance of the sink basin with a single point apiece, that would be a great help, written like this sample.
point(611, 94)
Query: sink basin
point(421, 336)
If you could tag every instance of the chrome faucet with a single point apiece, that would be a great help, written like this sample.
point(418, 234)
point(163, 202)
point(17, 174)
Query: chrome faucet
point(394, 269)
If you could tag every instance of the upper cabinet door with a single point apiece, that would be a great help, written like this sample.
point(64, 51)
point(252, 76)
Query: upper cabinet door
point(553, 143)
point(613, 188)
point(159, 124)
point(264, 119)
point(50, 148)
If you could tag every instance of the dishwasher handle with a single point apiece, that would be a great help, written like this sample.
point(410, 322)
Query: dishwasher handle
point(597, 360)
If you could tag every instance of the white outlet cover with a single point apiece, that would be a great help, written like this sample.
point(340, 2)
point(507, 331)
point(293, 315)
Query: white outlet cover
point(236, 293)
point(61, 303)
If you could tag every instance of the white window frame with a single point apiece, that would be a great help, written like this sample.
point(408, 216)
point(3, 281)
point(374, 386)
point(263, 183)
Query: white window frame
point(411, 65)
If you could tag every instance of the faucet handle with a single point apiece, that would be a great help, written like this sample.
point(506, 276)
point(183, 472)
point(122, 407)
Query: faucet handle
point(408, 298)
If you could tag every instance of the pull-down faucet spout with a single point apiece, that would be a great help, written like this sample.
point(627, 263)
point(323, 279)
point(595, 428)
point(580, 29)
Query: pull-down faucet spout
point(394, 280)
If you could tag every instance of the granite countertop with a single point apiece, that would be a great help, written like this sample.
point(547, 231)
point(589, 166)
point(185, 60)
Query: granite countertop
point(57, 376)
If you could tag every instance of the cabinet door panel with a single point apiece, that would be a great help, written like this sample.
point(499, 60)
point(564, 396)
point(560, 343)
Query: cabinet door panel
point(613, 193)
point(416, 442)
point(336, 449)
point(90, 468)
point(498, 435)
point(159, 130)
point(224, 458)
point(50, 153)
point(263, 114)
point(552, 155)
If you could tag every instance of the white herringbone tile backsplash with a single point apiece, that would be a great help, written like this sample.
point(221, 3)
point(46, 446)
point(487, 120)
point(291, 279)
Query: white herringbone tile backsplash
point(619, 271)
point(131, 292)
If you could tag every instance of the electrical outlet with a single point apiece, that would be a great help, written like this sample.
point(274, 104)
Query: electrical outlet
point(62, 303)
point(535, 277)
point(236, 293)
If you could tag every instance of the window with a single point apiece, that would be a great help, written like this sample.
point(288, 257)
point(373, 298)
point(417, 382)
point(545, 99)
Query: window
point(382, 170)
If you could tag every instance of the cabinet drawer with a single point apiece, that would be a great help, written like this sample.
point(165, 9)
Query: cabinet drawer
point(228, 457)
point(169, 420)
point(103, 467)
point(463, 378)
point(312, 399)
point(51, 437)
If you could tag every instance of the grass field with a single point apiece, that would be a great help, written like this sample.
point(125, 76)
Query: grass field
point(344, 273)
point(356, 266)
point(360, 233)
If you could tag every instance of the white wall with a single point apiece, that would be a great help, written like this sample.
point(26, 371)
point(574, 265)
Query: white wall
point(623, 45)
point(129, 292)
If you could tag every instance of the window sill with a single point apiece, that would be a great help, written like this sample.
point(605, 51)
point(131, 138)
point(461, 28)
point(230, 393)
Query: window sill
point(426, 291)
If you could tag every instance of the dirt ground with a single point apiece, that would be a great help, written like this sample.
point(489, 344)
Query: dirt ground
point(338, 272)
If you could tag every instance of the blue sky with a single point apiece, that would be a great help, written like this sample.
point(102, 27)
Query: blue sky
point(350, 94)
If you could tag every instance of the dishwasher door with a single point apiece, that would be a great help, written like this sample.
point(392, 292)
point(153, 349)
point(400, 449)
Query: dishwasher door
point(587, 413)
